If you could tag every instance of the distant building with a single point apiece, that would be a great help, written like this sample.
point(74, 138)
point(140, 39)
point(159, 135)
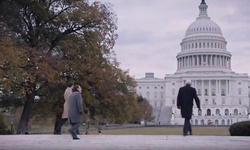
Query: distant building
point(224, 94)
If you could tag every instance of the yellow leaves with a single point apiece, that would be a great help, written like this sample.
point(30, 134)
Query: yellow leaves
point(24, 64)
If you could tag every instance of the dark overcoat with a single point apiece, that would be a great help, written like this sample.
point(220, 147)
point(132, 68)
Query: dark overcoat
point(185, 98)
point(75, 107)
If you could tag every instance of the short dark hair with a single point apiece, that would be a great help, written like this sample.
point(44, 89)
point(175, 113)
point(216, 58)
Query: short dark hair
point(70, 84)
point(75, 88)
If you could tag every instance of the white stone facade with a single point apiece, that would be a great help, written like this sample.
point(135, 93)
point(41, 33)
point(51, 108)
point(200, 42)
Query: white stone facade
point(224, 94)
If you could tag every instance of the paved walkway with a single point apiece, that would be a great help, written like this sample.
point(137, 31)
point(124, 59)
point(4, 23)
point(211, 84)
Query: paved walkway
point(123, 142)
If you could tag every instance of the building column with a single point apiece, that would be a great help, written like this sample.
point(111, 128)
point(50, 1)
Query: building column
point(220, 87)
point(226, 92)
point(201, 60)
point(215, 60)
point(206, 56)
point(217, 87)
point(230, 63)
point(182, 62)
point(202, 88)
point(193, 61)
point(229, 87)
point(197, 60)
point(209, 88)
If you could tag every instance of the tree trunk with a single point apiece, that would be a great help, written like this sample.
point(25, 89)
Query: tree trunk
point(24, 120)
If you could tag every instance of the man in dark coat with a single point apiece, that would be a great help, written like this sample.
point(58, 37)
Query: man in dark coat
point(75, 110)
point(185, 98)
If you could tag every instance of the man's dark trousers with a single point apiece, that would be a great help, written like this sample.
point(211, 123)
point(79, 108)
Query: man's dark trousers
point(187, 127)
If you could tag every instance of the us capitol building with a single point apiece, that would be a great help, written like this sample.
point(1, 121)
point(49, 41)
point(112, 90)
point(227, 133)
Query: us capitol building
point(224, 94)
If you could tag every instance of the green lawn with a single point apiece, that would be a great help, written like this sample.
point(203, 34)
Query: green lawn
point(45, 127)
point(217, 131)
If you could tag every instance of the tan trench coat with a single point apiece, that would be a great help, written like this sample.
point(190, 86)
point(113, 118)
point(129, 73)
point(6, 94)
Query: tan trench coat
point(67, 93)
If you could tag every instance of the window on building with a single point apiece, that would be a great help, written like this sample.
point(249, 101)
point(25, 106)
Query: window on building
point(213, 92)
point(217, 112)
point(223, 92)
point(202, 122)
point(196, 122)
point(239, 101)
point(147, 87)
point(199, 92)
point(173, 102)
point(223, 122)
point(208, 112)
point(223, 101)
point(214, 102)
point(235, 111)
point(199, 112)
point(216, 122)
point(206, 92)
point(226, 112)
point(173, 83)
point(162, 87)
point(239, 83)
point(155, 87)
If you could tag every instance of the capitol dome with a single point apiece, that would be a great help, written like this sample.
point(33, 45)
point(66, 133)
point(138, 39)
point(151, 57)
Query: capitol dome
point(203, 48)
point(203, 25)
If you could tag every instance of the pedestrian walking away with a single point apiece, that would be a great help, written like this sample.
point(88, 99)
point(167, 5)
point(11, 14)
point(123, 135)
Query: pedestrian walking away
point(185, 98)
point(75, 110)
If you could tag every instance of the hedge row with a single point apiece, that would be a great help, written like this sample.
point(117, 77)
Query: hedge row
point(240, 129)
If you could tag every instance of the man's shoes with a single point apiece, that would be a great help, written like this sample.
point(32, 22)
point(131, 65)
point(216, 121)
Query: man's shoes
point(57, 133)
point(76, 138)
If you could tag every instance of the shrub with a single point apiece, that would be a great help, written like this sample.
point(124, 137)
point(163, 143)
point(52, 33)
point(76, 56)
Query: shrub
point(240, 129)
point(3, 128)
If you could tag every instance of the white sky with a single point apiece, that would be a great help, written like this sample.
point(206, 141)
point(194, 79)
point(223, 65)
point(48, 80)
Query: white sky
point(150, 32)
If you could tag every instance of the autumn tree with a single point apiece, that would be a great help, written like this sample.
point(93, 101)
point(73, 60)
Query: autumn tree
point(53, 41)
point(109, 91)
point(144, 112)
point(21, 68)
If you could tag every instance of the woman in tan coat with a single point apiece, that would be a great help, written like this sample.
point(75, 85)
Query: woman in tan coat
point(65, 113)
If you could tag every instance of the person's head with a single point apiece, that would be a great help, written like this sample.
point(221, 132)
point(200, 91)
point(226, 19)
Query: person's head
point(70, 84)
point(77, 88)
point(188, 82)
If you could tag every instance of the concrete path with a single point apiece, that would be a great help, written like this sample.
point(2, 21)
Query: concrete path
point(123, 142)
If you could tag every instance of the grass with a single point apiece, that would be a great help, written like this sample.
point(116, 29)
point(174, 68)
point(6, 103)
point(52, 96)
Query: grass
point(215, 131)
point(47, 126)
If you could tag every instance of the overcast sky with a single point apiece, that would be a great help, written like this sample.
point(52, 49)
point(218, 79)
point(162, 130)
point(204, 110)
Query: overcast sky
point(150, 32)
